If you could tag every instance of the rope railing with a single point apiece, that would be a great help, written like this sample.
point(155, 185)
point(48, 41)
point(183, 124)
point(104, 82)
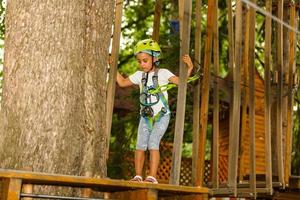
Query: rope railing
point(262, 11)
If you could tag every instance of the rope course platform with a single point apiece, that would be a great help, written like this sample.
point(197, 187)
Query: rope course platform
point(14, 180)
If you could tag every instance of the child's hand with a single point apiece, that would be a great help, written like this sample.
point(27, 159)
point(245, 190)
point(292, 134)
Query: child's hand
point(187, 60)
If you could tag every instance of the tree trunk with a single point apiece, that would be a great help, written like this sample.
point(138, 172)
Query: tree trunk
point(53, 111)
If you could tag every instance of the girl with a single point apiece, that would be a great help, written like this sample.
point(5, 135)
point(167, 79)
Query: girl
point(155, 113)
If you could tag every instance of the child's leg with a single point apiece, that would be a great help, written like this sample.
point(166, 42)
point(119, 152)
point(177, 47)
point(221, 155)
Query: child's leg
point(157, 133)
point(141, 146)
point(154, 162)
point(139, 161)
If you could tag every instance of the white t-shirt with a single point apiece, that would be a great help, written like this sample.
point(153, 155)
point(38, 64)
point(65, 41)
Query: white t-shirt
point(163, 79)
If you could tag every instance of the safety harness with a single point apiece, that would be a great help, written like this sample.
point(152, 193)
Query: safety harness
point(147, 100)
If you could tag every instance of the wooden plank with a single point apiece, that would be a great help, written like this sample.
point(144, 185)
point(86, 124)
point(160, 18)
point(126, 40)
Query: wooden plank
point(187, 197)
point(194, 197)
point(205, 92)
point(216, 102)
point(245, 99)
point(279, 104)
point(181, 98)
point(246, 193)
point(141, 194)
point(27, 189)
point(156, 23)
point(113, 68)
point(235, 123)
point(252, 71)
point(292, 65)
point(260, 184)
point(86, 192)
point(103, 184)
point(196, 97)
point(152, 194)
point(11, 189)
point(283, 195)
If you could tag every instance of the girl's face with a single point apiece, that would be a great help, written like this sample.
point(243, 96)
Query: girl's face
point(145, 62)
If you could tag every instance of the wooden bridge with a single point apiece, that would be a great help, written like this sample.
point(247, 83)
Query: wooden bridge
point(19, 184)
point(16, 183)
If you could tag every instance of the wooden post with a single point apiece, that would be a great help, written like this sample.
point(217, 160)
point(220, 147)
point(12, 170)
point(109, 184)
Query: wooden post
point(156, 23)
point(252, 70)
point(292, 65)
point(196, 102)
point(11, 189)
point(279, 92)
point(181, 98)
point(27, 188)
point(113, 68)
point(216, 102)
point(231, 63)
point(230, 38)
point(231, 59)
point(205, 92)
point(245, 99)
point(235, 123)
point(267, 99)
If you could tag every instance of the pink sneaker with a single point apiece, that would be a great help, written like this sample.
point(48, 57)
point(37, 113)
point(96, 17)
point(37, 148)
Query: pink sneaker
point(137, 178)
point(151, 179)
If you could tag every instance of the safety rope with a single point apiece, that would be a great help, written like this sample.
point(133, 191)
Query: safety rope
point(199, 75)
point(256, 7)
point(169, 86)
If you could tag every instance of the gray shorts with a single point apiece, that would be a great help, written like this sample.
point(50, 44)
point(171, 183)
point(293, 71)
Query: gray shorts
point(148, 138)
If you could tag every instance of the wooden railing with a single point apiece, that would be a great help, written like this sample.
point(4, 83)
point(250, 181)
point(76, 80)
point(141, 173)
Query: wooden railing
point(13, 181)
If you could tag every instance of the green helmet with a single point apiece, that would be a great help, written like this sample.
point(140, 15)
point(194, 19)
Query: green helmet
point(147, 45)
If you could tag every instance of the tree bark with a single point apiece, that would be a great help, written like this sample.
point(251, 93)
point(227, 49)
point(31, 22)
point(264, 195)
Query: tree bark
point(54, 91)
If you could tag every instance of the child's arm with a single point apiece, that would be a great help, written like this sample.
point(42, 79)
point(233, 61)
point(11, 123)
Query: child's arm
point(187, 60)
point(123, 82)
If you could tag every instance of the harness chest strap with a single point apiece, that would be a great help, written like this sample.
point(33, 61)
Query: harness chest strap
point(150, 120)
point(160, 94)
point(155, 85)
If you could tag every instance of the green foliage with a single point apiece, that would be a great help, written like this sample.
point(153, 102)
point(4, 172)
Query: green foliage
point(296, 129)
point(296, 142)
point(2, 18)
point(122, 142)
point(137, 22)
